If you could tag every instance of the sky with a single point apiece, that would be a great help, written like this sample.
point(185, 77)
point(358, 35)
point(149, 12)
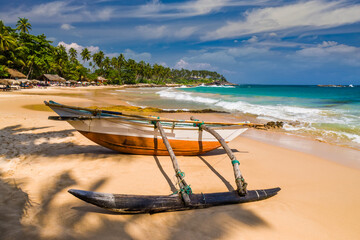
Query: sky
point(248, 41)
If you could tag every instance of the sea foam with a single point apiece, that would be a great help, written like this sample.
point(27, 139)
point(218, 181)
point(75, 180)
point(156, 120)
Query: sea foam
point(308, 120)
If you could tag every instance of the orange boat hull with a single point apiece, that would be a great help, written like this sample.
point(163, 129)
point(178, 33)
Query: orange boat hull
point(150, 146)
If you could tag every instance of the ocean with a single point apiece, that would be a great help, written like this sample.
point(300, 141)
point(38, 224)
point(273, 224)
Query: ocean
point(329, 114)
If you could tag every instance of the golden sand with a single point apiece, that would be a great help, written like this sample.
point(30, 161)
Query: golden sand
point(41, 159)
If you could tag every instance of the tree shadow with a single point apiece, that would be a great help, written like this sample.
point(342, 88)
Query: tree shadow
point(17, 141)
point(227, 184)
point(214, 223)
point(211, 223)
point(13, 205)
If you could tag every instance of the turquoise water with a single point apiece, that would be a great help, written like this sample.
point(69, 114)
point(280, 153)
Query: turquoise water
point(329, 114)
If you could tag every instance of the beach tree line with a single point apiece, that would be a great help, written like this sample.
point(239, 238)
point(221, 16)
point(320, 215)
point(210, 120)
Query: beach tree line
point(35, 55)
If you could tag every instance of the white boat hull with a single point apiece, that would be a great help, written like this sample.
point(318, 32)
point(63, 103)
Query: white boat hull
point(141, 137)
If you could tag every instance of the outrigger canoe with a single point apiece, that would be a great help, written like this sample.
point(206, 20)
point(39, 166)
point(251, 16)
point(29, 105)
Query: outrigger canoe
point(141, 135)
point(136, 134)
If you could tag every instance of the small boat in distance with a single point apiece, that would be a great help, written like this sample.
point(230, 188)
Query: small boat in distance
point(136, 134)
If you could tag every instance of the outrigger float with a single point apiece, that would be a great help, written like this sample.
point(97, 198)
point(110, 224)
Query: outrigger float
point(138, 134)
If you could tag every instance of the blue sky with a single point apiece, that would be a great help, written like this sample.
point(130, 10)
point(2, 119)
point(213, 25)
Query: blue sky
point(249, 41)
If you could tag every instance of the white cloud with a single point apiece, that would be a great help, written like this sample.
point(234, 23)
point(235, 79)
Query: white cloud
point(152, 32)
point(253, 39)
point(185, 32)
point(314, 14)
point(332, 51)
point(66, 26)
point(144, 56)
point(78, 47)
point(156, 9)
point(164, 31)
point(105, 14)
point(58, 12)
point(192, 66)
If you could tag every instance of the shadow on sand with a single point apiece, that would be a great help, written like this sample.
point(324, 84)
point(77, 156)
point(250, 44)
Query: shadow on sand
point(66, 217)
point(17, 141)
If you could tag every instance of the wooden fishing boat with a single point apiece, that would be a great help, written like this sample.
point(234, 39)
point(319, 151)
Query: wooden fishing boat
point(139, 135)
point(136, 134)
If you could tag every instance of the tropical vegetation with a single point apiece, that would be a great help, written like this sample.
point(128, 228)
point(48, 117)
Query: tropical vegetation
point(35, 55)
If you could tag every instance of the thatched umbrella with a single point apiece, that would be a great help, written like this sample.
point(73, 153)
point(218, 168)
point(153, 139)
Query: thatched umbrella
point(52, 78)
point(9, 81)
point(15, 73)
point(34, 81)
point(4, 81)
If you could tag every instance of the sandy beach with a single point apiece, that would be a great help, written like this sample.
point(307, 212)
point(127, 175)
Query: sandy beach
point(41, 159)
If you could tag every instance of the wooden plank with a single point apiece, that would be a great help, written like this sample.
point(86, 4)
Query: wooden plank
point(124, 203)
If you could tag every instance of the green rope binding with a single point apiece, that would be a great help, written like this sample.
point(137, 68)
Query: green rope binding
point(180, 174)
point(198, 124)
point(187, 189)
point(235, 161)
point(154, 122)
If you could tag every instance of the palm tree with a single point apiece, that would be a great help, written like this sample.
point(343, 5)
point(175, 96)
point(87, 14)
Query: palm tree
point(23, 25)
point(7, 42)
point(85, 54)
point(73, 54)
point(98, 58)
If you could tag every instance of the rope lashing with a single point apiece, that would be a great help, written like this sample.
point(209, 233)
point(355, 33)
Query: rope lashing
point(187, 189)
point(242, 181)
point(235, 161)
point(154, 122)
point(180, 174)
point(198, 124)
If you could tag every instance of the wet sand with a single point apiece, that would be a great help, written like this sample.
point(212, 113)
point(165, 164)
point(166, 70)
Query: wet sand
point(41, 159)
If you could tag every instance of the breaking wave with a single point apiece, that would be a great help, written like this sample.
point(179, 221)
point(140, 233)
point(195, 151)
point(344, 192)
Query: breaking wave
point(298, 119)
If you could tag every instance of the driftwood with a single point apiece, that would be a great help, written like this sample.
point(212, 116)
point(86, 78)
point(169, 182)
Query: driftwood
point(152, 204)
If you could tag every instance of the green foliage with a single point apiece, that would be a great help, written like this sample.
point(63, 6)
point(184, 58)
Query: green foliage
point(23, 25)
point(34, 56)
point(3, 72)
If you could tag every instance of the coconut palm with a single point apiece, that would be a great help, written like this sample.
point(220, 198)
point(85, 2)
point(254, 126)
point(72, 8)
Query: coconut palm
point(73, 54)
point(85, 54)
point(98, 58)
point(7, 42)
point(23, 25)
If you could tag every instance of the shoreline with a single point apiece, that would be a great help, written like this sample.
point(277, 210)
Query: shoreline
point(41, 159)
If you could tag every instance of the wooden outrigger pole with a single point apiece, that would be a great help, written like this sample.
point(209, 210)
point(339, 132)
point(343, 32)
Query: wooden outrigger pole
point(185, 189)
point(97, 112)
point(239, 179)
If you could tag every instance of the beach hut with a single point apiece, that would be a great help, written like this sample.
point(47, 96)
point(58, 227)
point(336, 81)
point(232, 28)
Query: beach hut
point(15, 74)
point(52, 78)
point(100, 80)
